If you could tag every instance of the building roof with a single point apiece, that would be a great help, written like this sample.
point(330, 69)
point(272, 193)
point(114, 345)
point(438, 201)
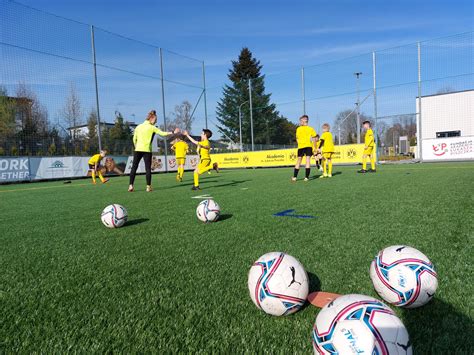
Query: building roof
point(448, 93)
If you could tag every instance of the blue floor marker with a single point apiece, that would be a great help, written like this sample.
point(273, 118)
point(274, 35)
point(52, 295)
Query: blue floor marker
point(289, 213)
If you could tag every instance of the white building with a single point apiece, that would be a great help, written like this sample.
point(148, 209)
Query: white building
point(447, 123)
point(83, 130)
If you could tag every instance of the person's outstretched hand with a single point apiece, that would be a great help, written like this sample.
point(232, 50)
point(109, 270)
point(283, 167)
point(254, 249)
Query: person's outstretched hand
point(176, 130)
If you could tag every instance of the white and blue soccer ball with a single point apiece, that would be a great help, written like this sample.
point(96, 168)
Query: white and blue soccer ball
point(404, 276)
point(278, 284)
point(358, 324)
point(208, 211)
point(114, 216)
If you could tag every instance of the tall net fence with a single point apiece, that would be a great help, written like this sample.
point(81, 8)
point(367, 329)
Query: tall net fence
point(59, 78)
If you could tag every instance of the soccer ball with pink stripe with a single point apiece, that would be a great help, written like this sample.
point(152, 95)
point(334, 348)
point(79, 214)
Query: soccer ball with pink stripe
point(404, 276)
point(278, 284)
point(114, 216)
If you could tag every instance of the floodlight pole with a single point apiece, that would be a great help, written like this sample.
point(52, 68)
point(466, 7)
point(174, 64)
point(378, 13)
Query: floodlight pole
point(374, 75)
point(205, 94)
point(358, 74)
point(418, 126)
point(303, 90)
point(251, 113)
point(163, 105)
point(96, 88)
point(240, 125)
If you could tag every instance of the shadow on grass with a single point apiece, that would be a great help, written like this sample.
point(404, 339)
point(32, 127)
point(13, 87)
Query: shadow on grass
point(136, 221)
point(438, 328)
point(314, 285)
point(233, 183)
point(224, 216)
point(179, 184)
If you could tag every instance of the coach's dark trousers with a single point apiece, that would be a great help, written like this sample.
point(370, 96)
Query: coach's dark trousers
point(137, 156)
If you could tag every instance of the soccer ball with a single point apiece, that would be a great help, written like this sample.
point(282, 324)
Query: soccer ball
point(208, 211)
point(403, 276)
point(114, 216)
point(278, 284)
point(358, 324)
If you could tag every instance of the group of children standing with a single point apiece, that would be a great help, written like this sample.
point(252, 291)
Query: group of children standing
point(322, 148)
point(309, 144)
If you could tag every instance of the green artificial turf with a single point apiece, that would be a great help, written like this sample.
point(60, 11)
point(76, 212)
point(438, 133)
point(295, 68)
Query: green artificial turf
point(167, 283)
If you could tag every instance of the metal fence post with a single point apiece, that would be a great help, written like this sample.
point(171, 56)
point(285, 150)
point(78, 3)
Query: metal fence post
point(251, 113)
point(99, 134)
point(303, 90)
point(163, 104)
point(374, 74)
point(418, 125)
point(205, 91)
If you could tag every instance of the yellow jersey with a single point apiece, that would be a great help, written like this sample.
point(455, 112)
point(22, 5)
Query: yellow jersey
point(328, 145)
point(369, 138)
point(304, 135)
point(180, 149)
point(204, 153)
point(95, 159)
point(143, 136)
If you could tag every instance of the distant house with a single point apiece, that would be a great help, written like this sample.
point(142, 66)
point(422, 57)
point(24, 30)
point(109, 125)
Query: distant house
point(83, 130)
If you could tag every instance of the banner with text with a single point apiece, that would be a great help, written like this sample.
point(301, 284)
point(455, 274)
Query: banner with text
point(455, 148)
point(344, 154)
point(14, 169)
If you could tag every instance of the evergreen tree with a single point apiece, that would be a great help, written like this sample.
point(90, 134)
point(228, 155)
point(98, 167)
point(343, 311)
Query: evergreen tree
point(265, 116)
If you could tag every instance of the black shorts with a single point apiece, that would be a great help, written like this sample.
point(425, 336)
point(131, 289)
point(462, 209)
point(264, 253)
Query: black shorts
point(92, 166)
point(308, 151)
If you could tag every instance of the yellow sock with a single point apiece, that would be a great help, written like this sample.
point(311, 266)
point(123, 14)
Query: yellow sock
point(372, 162)
point(93, 176)
point(196, 179)
point(182, 172)
point(330, 167)
point(324, 166)
point(100, 176)
point(364, 163)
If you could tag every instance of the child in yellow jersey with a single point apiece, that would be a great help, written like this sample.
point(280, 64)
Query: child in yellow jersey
point(305, 137)
point(94, 164)
point(204, 150)
point(326, 147)
point(369, 148)
point(180, 150)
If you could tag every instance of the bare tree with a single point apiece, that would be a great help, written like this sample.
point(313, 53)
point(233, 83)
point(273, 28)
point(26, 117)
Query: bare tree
point(72, 110)
point(182, 116)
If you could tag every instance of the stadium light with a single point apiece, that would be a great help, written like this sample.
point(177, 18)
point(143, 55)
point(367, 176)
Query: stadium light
point(240, 123)
point(357, 75)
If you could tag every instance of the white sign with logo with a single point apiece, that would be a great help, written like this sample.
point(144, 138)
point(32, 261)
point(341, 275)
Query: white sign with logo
point(58, 167)
point(455, 148)
point(14, 169)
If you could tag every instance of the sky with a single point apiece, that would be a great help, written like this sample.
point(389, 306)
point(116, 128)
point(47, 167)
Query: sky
point(283, 35)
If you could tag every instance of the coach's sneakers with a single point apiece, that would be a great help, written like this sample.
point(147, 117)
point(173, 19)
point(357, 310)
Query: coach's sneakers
point(306, 179)
point(195, 188)
point(362, 171)
point(320, 168)
point(293, 179)
point(130, 188)
point(149, 188)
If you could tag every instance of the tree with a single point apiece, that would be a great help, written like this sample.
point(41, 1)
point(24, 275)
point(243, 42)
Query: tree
point(182, 116)
point(265, 116)
point(92, 142)
point(72, 111)
point(7, 120)
point(33, 121)
point(120, 134)
point(346, 122)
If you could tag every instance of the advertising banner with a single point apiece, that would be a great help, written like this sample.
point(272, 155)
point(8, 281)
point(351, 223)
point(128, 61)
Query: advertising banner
point(344, 154)
point(455, 148)
point(158, 164)
point(58, 167)
point(14, 169)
